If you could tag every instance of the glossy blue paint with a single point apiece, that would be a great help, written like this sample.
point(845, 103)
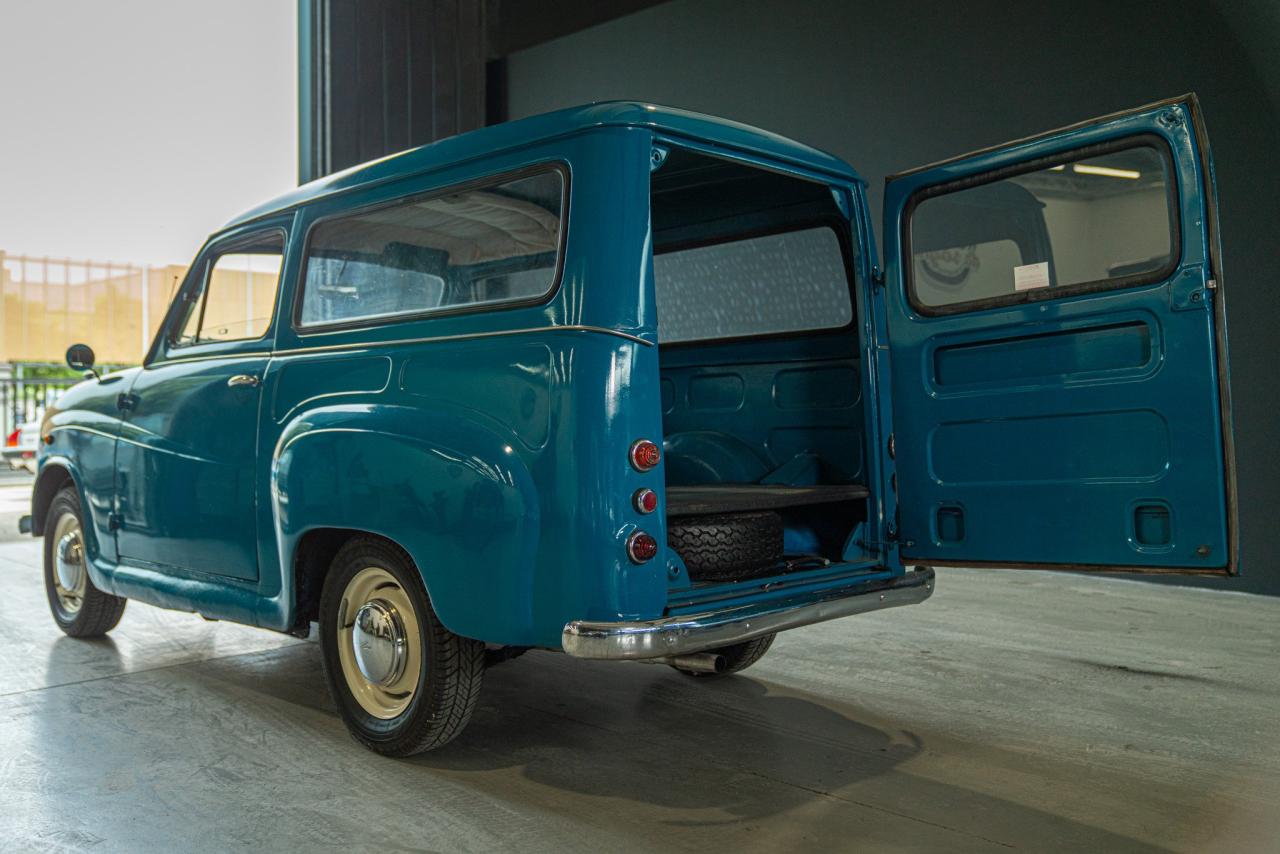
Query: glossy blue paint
point(186, 462)
point(79, 440)
point(1048, 432)
point(730, 422)
point(703, 132)
point(492, 444)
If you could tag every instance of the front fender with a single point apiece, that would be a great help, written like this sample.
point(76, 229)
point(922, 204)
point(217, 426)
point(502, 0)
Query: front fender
point(55, 471)
point(455, 494)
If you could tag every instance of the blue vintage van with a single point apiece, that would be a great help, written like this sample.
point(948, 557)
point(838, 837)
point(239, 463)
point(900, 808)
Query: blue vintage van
point(628, 382)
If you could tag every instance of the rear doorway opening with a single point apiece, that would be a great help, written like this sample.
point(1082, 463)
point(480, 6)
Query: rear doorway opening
point(763, 417)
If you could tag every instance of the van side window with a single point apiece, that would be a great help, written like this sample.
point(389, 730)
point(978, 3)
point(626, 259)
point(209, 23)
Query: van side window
point(1077, 223)
point(476, 246)
point(238, 296)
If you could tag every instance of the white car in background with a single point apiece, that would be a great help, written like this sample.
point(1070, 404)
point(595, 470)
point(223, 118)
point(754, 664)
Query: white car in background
point(20, 446)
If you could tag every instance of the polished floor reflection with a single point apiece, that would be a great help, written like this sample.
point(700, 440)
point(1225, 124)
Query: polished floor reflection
point(1014, 710)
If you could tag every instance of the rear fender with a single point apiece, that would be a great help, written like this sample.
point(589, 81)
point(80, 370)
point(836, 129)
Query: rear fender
point(451, 491)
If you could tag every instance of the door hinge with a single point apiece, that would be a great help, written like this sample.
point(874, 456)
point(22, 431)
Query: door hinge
point(114, 521)
point(877, 277)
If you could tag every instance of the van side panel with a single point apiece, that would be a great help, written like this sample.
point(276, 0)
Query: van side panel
point(447, 487)
point(491, 445)
point(736, 414)
point(501, 481)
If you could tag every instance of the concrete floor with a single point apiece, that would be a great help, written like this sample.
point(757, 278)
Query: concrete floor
point(1015, 710)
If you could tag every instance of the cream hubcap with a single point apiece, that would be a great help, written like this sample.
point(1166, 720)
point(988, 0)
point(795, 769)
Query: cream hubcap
point(379, 643)
point(70, 577)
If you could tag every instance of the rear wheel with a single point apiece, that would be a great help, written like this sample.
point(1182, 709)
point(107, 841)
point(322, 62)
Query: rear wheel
point(738, 656)
point(402, 682)
point(80, 609)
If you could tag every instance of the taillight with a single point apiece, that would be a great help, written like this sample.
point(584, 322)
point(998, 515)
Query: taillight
point(645, 500)
point(641, 547)
point(645, 455)
point(12, 441)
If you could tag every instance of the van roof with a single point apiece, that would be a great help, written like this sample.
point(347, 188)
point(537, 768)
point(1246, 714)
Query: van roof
point(509, 135)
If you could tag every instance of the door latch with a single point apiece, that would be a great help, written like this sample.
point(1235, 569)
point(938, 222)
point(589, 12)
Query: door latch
point(877, 277)
point(125, 402)
point(243, 381)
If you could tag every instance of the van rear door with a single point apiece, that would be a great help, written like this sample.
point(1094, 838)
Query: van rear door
point(1058, 342)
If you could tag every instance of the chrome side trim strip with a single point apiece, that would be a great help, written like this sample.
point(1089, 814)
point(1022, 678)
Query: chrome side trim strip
point(698, 632)
point(83, 429)
point(400, 342)
point(208, 357)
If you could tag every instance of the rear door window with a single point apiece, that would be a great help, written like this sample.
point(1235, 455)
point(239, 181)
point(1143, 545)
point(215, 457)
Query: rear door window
point(1079, 223)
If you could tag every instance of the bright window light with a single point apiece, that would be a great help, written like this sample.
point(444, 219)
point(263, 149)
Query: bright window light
point(1086, 169)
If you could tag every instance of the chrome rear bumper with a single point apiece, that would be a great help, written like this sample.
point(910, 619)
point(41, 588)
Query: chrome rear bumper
point(697, 632)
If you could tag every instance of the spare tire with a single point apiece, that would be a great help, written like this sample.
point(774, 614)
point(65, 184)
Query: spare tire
point(727, 546)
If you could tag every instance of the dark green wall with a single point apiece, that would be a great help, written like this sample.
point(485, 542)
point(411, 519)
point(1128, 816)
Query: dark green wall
point(890, 86)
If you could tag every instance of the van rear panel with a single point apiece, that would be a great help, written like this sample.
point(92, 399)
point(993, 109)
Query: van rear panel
point(765, 428)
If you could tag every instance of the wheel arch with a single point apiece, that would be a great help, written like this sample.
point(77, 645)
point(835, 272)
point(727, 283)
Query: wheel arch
point(312, 557)
point(53, 476)
point(448, 491)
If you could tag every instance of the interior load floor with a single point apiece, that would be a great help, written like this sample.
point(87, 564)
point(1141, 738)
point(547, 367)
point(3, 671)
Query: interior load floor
point(703, 499)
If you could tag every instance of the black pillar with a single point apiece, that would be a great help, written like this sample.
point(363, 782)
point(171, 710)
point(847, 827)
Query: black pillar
point(379, 76)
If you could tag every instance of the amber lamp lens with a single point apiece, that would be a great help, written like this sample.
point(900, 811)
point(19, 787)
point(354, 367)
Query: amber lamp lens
point(641, 547)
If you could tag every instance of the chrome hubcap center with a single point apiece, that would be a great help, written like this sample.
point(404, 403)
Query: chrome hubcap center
point(378, 642)
point(69, 562)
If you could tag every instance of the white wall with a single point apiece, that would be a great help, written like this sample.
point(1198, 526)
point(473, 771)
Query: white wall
point(1091, 236)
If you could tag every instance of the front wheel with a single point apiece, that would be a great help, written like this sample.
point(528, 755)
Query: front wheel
point(738, 656)
point(402, 682)
point(80, 609)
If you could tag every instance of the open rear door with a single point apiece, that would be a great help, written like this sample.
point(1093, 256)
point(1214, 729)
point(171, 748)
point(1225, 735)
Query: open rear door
point(1058, 341)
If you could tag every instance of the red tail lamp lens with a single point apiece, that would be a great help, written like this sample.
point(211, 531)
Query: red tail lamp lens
point(641, 547)
point(645, 455)
point(12, 441)
point(645, 500)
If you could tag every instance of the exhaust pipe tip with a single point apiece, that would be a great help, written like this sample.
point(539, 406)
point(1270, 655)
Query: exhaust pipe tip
point(699, 662)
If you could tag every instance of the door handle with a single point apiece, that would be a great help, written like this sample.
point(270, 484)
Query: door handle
point(243, 381)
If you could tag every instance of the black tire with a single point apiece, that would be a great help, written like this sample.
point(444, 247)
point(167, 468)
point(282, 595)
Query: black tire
point(448, 685)
point(728, 546)
point(98, 612)
point(738, 656)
